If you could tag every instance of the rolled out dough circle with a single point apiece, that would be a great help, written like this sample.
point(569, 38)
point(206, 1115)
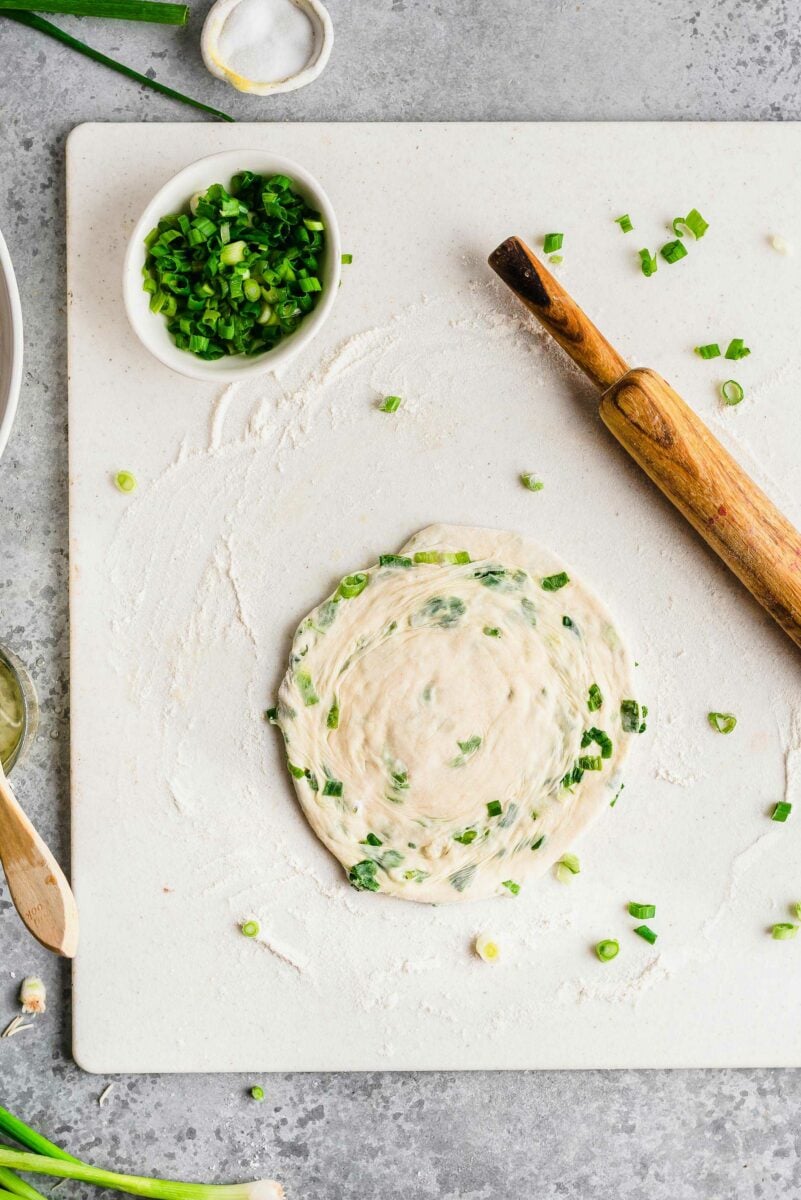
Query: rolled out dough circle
point(435, 723)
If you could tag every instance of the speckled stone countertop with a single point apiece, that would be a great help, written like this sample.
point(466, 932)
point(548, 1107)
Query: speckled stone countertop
point(633, 1135)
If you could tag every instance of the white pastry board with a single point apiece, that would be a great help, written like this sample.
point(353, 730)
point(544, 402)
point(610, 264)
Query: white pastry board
point(253, 502)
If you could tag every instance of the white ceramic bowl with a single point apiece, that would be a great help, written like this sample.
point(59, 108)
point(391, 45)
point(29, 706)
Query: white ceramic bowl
point(10, 344)
point(151, 328)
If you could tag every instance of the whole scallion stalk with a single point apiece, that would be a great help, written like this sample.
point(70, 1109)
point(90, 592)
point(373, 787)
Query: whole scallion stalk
point(138, 1185)
point(35, 22)
point(158, 11)
point(12, 1185)
point(18, 1131)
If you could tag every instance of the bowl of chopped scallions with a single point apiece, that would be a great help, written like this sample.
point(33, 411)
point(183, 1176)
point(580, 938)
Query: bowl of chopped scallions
point(233, 267)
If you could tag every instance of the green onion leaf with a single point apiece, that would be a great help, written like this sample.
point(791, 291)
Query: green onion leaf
point(784, 931)
point(346, 260)
point(643, 912)
point(492, 631)
point(125, 481)
point(673, 251)
point(332, 787)
point(721, 722)
point(513, 887)
point(646, 933)
point(694, 223)
point(594, 697)
point(552, 583)
point(536, 845)
point(352, 585)
point(732, 392)
point(630, 716)
point(556, 259)
point(494, 808)
point(712, 350)
point(362, 876)
point(122, 10)
point(782, 811)
point(394, 560)
point(625, 223)
point(607, 950)
point(466, 837)
point(567, 867)
point(371, 840)
point(648, 262)
point(332, 720)
point(737, 349)
point(390, 404)
point(590, 762)
point(552, 242)
point(306, 688)
point(531, 482)
point(294, 771)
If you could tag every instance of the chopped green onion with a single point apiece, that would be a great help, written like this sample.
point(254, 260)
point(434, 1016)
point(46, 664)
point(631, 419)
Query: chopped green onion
point(394, 560)
point(362, 876)
point(250, 928)
point(271, 715)
point(784, 931)
point(732, 392)
point(625, 223)
point(442, 556)
point(673, 251)
point(712, 350)
point(332, 787)
point(737, 349)
point(552, 242)
point(536, 845)
point(601, 739)
point(33, 21)
point(643, 912)
point(648, 262)
point(590, 762)
point(332, 720)
point(567, 622)
point(313, 226)
point(693, 222)
point(306, 688)
point(552, 583)
point(721, 722)
point(607, 950)
point(353, 585)
point(346, 260)
point(257, 1093)
point(630, 716)
point(594, 698)
point(466, 837)
point(556, 259)
point(531, 482)
point(125, 481)
point(513, 887)
point(390, 404)
point(797, 910)
point(492, 631)
point(571, 863)
point(294, 771)
point(371, 840)
point(646, 933)
point(494, 808)
point(782, 811)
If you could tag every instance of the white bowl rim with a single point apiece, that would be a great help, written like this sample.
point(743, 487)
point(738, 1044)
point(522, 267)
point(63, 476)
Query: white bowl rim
point(8, 281)
point(148, 326)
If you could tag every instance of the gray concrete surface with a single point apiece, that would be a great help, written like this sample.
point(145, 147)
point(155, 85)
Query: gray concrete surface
point(629, 1135)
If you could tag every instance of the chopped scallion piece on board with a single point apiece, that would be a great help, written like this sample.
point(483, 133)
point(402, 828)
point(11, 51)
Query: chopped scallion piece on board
point(645, 932)
point(390, 404)
point(625, 223)
point(552, 242)
point(673, 251)
point(737, 349)
point(782, 811)
point(250, 928)
point(648, 263)
point(513, 887)
point(784, 931)
point(643, 912)
point(607, 950)
point(125, 481)
point(257, 1092)
point(694, 223)
point(722, 722)
point(531, 482)
point(712, 350)
point(732, 392)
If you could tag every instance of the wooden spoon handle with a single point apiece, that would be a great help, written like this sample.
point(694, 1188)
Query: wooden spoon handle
point(558, 312)
point(688, 463)
point(36, 882)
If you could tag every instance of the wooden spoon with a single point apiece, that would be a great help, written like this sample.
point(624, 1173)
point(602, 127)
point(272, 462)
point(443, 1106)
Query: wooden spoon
point(36, 882)
point(672, 445)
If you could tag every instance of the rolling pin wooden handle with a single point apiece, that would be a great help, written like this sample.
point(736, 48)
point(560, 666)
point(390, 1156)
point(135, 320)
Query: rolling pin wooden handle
point(40, 891)
point(545, 297)
point(686, 461)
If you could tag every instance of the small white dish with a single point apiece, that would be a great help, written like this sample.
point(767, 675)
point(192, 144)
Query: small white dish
point(10, 344)
point(267, 46)
point(173, 197)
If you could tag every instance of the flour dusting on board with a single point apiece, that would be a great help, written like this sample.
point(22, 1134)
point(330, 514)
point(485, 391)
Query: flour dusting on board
point(252, 515)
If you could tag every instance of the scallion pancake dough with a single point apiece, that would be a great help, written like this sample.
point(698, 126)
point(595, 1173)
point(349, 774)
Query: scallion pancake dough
point(441, 718)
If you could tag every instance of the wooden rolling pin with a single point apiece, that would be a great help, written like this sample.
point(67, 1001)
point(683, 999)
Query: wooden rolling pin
point(672, 445)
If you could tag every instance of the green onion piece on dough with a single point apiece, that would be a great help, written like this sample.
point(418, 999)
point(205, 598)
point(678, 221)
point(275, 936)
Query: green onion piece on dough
point(306, 688)
point(492, 631)
point(737, 349)
point(607, 950)
point(643, 912)
point(645, 932)
point(494, 808)
point(552, 583)
point(531, 482)
point(390, 404)
point(594, 698)
point(782, 811)
point(465, 838)
point(625, 223)
point(722, 722)
point(712, 350)
point(513, 887)
point(732, 392)
point(332, 720)
point(250, 928)
point(784, 931)
point(648, 262)
point(362, 876)
point(552, 242)
point(673, 251)
point(371, 840)
point(394, 560)
point(332, 787)
point(353, 585)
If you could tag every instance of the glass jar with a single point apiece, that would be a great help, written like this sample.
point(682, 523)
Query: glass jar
point(19, 710)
